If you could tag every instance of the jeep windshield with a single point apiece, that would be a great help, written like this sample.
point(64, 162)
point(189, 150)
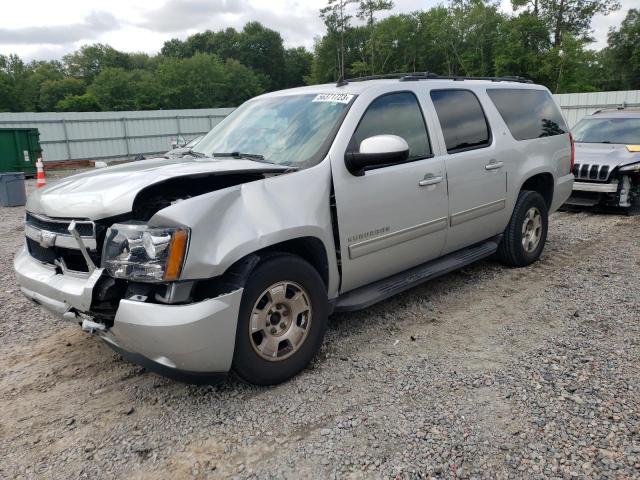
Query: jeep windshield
point(292, 130)
point(608, 130)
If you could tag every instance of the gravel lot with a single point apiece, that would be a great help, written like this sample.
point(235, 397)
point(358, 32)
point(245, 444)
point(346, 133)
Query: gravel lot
point(488, 372)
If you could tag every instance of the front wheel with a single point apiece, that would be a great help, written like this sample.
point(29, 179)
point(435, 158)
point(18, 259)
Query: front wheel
point(283, 319)
point(526, 234)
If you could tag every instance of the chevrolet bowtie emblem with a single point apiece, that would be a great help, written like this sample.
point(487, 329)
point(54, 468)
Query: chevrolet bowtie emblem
point(47, 239)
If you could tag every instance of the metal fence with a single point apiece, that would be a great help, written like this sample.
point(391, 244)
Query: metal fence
point(113, 135)
point(576, 105)
point(121, 135)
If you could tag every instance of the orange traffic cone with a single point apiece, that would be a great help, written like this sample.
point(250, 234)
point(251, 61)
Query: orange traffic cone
point(41, 181)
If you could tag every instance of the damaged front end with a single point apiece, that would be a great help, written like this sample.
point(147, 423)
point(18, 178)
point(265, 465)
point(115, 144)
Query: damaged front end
point(607, 176)
point(621, 189)
point(119, 277)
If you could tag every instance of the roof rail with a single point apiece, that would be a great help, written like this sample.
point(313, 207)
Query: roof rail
point(414, 76)
point(623, 106)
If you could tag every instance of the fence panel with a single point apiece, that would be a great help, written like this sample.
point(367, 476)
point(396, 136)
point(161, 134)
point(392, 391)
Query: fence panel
point(577, 105)
point(113, 135)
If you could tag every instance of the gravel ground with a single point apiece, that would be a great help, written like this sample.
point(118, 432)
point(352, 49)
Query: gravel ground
point(487, 372)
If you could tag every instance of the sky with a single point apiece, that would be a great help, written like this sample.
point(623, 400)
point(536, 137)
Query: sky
point(48, 29)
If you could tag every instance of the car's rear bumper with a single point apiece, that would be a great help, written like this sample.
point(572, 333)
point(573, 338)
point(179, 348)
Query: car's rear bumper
point(562, 191)
point(195, 339)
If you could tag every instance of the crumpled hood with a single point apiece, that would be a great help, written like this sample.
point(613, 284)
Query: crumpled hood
point(110, 191)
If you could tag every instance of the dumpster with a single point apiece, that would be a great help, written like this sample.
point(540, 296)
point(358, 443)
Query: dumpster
point(19, 150)
point(12, 190)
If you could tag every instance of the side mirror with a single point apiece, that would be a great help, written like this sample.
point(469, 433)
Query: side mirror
point(377, 151)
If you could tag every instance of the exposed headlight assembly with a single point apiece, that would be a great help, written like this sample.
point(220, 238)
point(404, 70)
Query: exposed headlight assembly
point(634, 167)
point(136, 251)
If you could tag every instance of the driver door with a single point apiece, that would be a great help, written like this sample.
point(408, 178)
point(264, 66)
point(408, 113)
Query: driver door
point(393, 217)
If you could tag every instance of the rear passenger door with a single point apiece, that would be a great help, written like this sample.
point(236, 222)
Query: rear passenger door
point(476, 176)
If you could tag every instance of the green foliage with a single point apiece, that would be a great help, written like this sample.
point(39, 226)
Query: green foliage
point(205, 81)
point(78, 103)
point(545, 40)
point(622, 56)
point(53, 91)
point(90, 60)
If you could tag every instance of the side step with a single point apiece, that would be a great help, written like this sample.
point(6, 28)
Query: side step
point(366, 296)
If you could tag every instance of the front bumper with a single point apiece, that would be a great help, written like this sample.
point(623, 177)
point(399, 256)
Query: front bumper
point(196, 338)
point(596, 187)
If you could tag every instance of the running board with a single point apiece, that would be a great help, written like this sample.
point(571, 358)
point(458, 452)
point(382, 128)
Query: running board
point(366, 296)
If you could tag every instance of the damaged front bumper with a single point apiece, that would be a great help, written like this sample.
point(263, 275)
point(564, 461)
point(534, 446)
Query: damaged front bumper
point(194, 342)
point(618, 192)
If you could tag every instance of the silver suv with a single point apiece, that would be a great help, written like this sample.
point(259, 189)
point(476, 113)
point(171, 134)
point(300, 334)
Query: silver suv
point(607, 167)
point(300, 203)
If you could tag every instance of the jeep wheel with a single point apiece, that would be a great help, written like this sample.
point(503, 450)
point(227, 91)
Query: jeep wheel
point(283, 319)
point(526, 234)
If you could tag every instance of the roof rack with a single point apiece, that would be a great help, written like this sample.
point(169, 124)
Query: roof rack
point(623, 106)
point(415, 76)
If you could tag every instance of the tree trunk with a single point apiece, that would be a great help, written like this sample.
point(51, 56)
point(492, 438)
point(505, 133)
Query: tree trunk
point(371, 40)
point(557, 38)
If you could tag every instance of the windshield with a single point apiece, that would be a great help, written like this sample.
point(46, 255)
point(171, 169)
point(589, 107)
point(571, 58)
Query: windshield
point(607, 130)
point(293, 130)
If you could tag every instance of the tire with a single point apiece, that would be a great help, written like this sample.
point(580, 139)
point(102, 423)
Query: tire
point(285, 285)
point(512, 250)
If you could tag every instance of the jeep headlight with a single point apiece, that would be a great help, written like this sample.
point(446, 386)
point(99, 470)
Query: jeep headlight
point(633, 167)
point(136, 251)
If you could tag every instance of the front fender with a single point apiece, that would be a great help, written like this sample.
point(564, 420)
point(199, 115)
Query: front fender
point(226, 225)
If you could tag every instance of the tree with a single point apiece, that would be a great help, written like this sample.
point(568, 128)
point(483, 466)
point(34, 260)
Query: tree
point(78, 103)
point(53, 91)
point(262, 50)
point(241, 84)
point(567, 16)
point(337, 20)
point(204, 81)
point(367, 10)
point(622, 56)
point(297, 66)
point(90, 60)
point(113, 90)
point(520, 47)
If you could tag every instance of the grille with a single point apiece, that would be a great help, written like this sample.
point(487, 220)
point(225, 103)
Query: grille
point(85, 228)
point(591, 171)
point(73, 259)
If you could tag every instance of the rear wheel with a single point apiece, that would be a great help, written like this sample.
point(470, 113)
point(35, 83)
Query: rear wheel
point(283, 319)
point(526, 234)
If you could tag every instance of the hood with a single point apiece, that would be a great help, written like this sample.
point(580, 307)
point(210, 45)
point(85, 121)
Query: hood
point(601, 155)
point(111, 191)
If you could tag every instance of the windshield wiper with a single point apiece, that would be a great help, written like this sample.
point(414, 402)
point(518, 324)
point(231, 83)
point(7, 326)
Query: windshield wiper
point(249, 156)
point(197, 154)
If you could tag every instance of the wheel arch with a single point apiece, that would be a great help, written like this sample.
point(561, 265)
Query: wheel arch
point(543, 183)
point(308, 248)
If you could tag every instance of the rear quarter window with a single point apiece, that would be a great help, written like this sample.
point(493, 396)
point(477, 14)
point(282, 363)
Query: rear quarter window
point(464, 125)
point(528, 113)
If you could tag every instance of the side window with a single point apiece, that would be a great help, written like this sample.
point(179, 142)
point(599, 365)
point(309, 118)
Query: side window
point(528, 113)
point(462, 120)
point(395, 114)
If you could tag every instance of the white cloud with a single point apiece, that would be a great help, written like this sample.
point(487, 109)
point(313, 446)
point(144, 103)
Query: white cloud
point(44, 29)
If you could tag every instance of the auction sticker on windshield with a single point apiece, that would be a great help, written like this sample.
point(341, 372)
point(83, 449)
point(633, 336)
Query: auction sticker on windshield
point(333, 97)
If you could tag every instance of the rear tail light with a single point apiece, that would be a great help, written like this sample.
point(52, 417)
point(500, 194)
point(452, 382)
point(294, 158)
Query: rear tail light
point(573, 153)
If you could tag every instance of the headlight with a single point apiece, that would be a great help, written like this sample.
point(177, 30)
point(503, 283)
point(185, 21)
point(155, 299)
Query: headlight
point(144, 253)
point(634, 167)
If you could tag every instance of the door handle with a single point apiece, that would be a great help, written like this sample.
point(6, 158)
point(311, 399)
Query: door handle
point(429, 180)
point(493, 165)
